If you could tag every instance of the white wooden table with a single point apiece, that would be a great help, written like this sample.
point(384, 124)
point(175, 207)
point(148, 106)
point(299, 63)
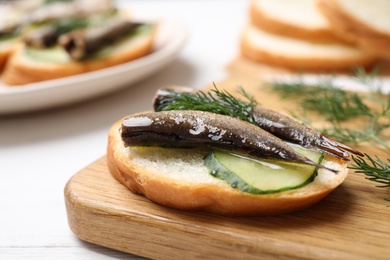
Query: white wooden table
point(40, 151)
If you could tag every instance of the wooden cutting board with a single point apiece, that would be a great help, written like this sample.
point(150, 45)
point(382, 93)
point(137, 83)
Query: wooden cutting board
point(353, 222)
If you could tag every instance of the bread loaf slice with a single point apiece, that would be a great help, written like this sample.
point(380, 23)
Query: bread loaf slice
point(296, 19)
point(364, 22)
point(261, 46)
point(28, 65)
point(178, 178)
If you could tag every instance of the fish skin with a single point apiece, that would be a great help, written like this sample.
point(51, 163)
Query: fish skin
point(293, 131)
point(188, 128)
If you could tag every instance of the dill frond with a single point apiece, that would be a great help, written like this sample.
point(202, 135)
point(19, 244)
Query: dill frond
point(336, 106)
point(216, 101)
point(374, 169)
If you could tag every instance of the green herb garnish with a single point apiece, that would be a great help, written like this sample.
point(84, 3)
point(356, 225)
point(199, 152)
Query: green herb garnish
point(46, 2)
point(216, 101)
point(375, 169)
point(68, 24)
point(338, 106)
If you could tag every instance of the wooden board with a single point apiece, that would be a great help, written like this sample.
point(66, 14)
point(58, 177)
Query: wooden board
point(353, 222)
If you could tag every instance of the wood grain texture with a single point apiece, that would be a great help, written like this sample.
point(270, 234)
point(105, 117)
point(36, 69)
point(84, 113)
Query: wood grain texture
point(353, 222)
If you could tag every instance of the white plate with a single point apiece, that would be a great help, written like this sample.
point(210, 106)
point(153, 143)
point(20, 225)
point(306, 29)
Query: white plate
point(58, 92)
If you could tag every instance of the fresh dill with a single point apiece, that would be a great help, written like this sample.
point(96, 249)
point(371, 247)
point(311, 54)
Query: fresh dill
point(337, 106)
point(46, 2)
point(65, 25)
point(216, 101)
point(375, 169)
point(333, 103)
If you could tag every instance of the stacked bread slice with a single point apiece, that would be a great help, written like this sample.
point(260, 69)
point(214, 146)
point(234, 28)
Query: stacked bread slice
point(315, 35)
point(364, 22)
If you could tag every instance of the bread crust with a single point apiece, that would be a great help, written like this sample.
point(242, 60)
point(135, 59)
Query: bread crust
point(211, 197)
point(314, 62)
point(7, 47)
point(261, 19)
point(3, 59)
point(21, 70)
point(345, 25)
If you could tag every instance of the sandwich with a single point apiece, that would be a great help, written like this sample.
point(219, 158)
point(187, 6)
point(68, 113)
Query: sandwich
point(67, 38)
point(196, 151)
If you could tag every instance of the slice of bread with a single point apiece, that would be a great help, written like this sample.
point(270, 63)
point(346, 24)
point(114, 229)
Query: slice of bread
point(177, 178)
point(29, 65)
point(297, 19)
point(297, 54)
point(364, 22)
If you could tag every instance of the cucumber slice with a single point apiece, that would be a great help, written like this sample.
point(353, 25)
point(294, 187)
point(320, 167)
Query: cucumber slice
point(54, 54)
point(261, 177)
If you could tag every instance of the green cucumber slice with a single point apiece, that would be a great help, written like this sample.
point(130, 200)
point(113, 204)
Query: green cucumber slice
point(261, 177)
point(54, 54)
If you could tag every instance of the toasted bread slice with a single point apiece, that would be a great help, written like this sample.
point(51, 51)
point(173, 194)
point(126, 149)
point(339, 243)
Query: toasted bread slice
point(296, 19)
point(297, 54)
point(179, 179)
point(364, 22)
point(29, 65)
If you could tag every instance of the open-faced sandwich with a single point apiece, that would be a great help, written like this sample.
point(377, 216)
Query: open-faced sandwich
point(213, 152)
point(64, 38)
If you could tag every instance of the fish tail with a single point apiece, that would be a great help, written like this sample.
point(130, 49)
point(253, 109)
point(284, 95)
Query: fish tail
point(336, 148)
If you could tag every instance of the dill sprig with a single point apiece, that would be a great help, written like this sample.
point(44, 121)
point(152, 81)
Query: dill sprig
point(216, 101)
point(368, 79)
point(370, 132)
point(337, 106)
point(333, 103)
point(54, 1)
point(374, 168)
